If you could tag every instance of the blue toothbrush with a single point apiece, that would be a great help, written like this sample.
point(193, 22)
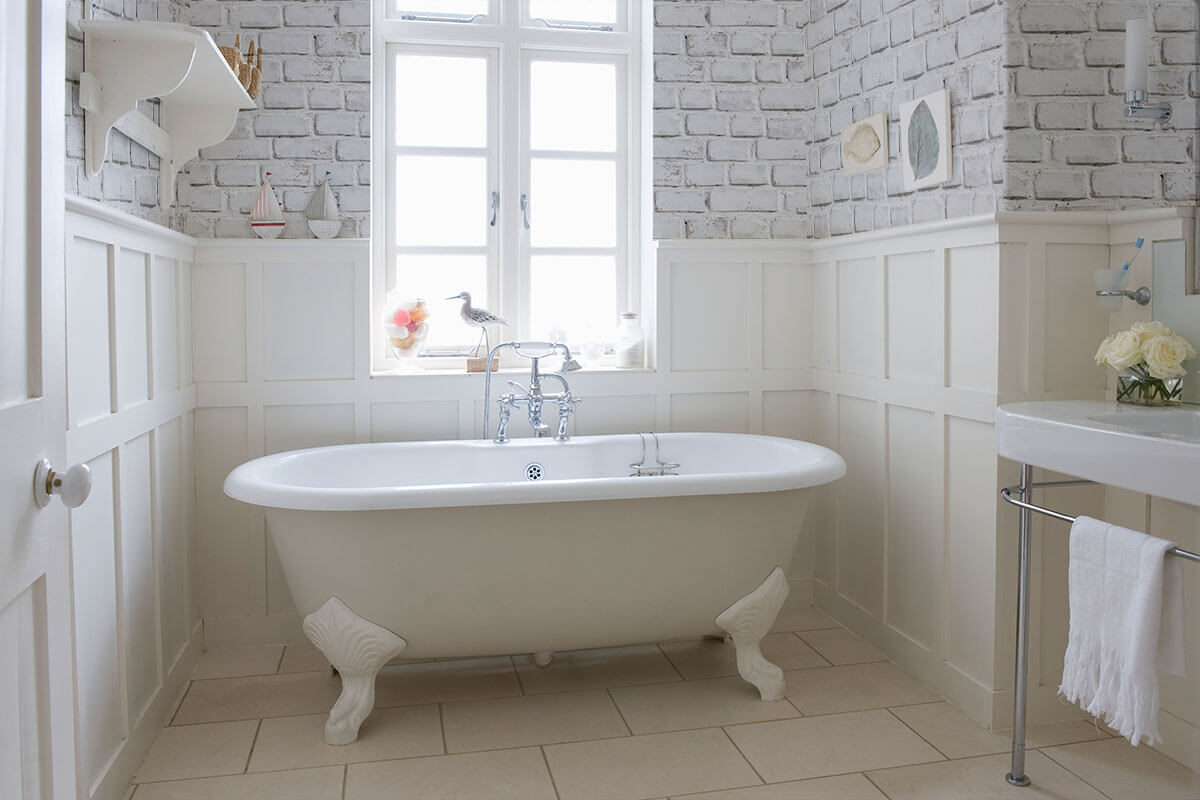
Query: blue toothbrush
point(1137, 248)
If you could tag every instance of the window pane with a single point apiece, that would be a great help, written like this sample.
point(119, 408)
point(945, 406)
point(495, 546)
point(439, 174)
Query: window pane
point(598, 11)
point(573, 106)
point(435, 278)
point(574, 293)
point(441, 200)
point(573, 203)
point(450, 111)
point(436, 8)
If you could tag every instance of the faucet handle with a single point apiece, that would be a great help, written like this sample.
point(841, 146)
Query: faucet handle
point(517, 388)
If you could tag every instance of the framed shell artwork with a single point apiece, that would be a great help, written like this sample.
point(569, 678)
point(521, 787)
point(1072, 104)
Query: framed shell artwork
point(865, 145)
point(925, 140)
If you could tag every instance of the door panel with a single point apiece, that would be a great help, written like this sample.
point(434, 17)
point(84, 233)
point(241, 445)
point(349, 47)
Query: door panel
point(37, 729)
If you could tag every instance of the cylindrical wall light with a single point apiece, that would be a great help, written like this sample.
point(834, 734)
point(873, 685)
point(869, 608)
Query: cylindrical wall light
point(1137, 74)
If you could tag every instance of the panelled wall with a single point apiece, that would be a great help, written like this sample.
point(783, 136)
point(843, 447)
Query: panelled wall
point(281, 339)
point(918, 335)
point(130, 402)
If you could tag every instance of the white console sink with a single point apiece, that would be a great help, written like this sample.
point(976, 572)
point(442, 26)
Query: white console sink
point(1151, 450)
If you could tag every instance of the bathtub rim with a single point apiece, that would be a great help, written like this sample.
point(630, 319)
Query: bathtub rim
point(248, 482)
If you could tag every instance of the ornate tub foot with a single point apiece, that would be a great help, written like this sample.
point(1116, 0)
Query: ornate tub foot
point(357, 649)
point(748, 621)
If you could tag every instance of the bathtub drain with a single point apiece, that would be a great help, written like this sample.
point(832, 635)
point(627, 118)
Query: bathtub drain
point(534, 471)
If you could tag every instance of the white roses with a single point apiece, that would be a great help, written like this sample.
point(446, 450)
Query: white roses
point(1153, 344)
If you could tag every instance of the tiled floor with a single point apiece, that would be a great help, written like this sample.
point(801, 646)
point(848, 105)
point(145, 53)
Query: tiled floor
point(650, 722)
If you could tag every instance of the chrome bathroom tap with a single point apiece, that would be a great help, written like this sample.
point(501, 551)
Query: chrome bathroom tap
point(532, 398)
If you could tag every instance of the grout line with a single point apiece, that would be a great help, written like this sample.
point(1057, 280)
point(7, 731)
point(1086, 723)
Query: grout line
point(743, 755)
point(620, 713)
point(1070, 771)
point(187, 689)
point(937, 749)
point(667, 656)
point(549, 772)
point(253, 742)
point(345, 779)
point(279, 663)
point(876, 785)
point(441, 712)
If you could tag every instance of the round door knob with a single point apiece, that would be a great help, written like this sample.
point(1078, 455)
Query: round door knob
point(72, 486)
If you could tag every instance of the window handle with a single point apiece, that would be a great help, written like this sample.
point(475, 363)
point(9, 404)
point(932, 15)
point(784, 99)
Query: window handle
point(525, 210)
point(495, 208)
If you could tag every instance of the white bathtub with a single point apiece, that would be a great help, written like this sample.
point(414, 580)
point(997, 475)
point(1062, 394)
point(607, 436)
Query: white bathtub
point(439, 549)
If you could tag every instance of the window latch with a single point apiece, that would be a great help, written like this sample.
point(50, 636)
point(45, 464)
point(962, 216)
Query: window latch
point(495, 208)
point(525, 210)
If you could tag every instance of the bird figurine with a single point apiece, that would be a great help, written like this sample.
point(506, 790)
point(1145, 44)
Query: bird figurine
point(477, 318)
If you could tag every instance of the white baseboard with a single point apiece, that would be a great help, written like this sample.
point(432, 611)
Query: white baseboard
point(120, 772)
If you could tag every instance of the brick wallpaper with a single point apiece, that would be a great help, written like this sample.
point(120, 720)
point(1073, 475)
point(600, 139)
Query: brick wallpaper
point(868, 57)
point(313, 116)
point(732, 112)
point(1068, 144)
point(749, 100)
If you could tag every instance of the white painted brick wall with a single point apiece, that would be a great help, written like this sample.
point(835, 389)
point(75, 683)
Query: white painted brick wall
point(313, 116)
point(731, 119)
point(1069, 145)
point(870, 56)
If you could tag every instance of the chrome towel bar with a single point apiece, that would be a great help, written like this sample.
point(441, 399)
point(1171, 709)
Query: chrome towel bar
point(1007, 491)
point(1016, 775)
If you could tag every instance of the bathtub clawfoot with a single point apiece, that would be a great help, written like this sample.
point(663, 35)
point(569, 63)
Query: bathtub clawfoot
point(358, 649)
point(748, 621)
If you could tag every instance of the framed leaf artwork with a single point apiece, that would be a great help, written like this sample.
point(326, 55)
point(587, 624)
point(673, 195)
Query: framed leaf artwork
point(925, 140)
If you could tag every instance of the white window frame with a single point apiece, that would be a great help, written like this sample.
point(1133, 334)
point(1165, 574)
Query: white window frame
point(507, 37)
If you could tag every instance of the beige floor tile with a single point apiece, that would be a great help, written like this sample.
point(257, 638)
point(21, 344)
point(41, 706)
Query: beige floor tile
point(510, 722)
point(493, 775)
point(324, 783)
point(958, 736)
point(854, 687)
point(198, 751)
point(696, 704)
point(648, 766)
point(596, 669)
point(708, 658)
point(814, 747)
point(302, 658)
point(840, 646)
point(803, 618)
point(445, 681)
point(293, 742)
point(238, 661)
point(841, 787)
point(258, 696)
point(1125, 772)
point(983, 779)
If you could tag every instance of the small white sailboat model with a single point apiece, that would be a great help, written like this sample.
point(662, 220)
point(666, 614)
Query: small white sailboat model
point(266, 220)
point(322, 212)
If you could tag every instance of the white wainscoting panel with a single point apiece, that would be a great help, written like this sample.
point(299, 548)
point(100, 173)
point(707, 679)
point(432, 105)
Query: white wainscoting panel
point(282, 334)
point(131, 404)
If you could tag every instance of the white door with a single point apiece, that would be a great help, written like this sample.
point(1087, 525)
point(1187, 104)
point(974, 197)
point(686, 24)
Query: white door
point(37, 721)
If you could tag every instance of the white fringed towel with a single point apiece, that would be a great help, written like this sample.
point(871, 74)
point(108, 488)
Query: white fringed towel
point(1126, 601)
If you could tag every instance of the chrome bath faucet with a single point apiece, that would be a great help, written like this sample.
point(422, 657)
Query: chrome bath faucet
point(532, 398)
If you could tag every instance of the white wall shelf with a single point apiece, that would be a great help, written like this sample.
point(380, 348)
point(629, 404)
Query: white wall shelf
point(126, 62)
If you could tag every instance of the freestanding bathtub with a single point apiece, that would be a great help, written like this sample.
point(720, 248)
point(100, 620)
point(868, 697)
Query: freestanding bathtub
point(456, 548)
